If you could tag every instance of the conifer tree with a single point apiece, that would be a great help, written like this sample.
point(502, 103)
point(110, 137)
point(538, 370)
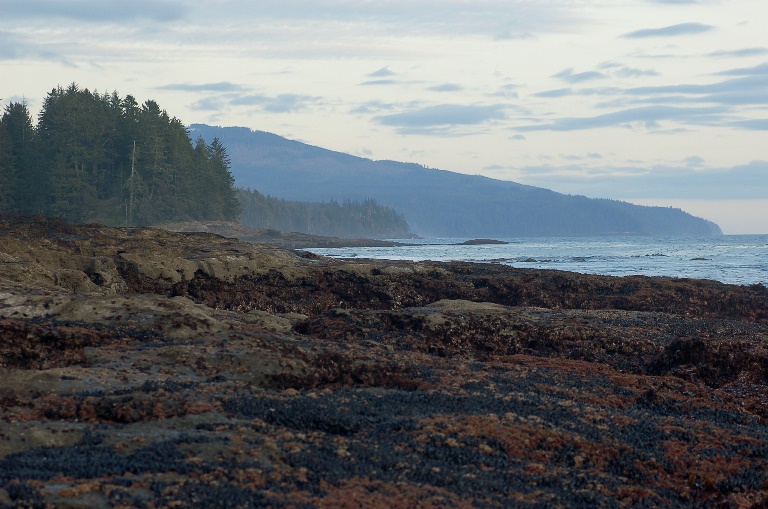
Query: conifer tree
point(28, 180)
point(101, 157)
point(7, 172)
point(221, 182)
point(69, 142)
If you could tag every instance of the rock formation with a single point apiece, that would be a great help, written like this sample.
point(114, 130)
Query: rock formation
point(149, 368)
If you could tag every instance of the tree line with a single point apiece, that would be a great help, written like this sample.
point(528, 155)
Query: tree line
point(348, 219)
point(105, 158)
point(94, 157)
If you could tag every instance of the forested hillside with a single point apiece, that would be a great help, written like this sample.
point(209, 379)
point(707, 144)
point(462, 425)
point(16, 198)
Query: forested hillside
point(102, 157)
point(346, 219)
point(435, 202)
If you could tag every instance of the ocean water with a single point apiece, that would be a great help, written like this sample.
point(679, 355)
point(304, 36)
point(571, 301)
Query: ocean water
point(734, 259)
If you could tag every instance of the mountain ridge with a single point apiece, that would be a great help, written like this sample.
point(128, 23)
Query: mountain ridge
point(436, 203)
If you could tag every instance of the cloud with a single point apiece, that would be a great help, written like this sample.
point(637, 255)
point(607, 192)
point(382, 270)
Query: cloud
point(648, 116)
point(380, 82)
point(384, 71)
point(670, 31)
point(748, 90)
point(629, 72)
point(146, 30)
point(446, 87)
point(560, 92)
point(95, 10)
point(15, 47)
point(743, 52)
point(508, 91)
point(444, 115)
point(676, 2)
point(760, 124)
point(371, 107)
point(208, 104)
point(677, 130)
point(726, 98)
point(576, 157)
point(688, 181)
point(222, 86)
point(498, 19)
point(11, 47)
point(746, 71)
point(752, 89)
point(283, 103)
point(617, 69)
point(570, 77)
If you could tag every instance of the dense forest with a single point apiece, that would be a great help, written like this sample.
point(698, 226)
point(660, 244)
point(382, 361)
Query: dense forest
point(347, 219)
point(104, 158)
point(100, 157)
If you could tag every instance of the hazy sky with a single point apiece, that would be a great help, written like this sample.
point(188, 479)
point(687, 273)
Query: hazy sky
point(651, 101)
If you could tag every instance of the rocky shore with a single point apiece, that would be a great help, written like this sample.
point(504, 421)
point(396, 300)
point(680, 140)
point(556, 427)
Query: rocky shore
point(290, 240)
point(148, 368)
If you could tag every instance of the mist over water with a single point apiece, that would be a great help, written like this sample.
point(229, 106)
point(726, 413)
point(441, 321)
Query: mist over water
point(735, 259)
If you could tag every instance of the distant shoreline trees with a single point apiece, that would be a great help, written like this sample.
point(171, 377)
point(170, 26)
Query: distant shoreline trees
point(346, 219)
point(104, 158)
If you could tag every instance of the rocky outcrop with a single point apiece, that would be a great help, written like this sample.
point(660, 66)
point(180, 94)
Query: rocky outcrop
point(288, 240)
point(148, 368)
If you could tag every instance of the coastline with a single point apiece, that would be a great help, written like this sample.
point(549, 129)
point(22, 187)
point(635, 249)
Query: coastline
point(146, 367)
point(287, 240)
point(737, 259)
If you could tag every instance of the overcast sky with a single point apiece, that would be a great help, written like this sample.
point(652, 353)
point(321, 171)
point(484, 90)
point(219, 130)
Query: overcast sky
point(651, 101)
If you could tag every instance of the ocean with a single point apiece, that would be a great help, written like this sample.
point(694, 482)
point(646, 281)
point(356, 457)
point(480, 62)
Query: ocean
point(734, 259)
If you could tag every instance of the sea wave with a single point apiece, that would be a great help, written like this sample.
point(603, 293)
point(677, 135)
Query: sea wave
point(735, 259)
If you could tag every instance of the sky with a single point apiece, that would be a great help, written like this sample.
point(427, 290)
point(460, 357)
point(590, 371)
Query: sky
point(656, 102)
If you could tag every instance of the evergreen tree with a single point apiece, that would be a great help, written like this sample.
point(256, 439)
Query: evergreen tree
point(72, 150)
point(98, 157)
point(151, 163)
point(221, 183)
point(133, 185)
point(198, 182)
point(7, 172)
point(27, 180)
point(349, 219)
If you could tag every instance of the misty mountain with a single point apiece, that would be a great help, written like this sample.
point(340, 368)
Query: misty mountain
point(435, 203)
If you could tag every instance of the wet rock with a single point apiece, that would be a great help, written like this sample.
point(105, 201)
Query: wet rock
point(292, 240)
point(5, 498)
point(480, 242)
point(148, 368)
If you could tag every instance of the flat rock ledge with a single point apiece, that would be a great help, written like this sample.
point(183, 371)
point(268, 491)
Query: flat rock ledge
point(143, 368)
point(482, 242)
